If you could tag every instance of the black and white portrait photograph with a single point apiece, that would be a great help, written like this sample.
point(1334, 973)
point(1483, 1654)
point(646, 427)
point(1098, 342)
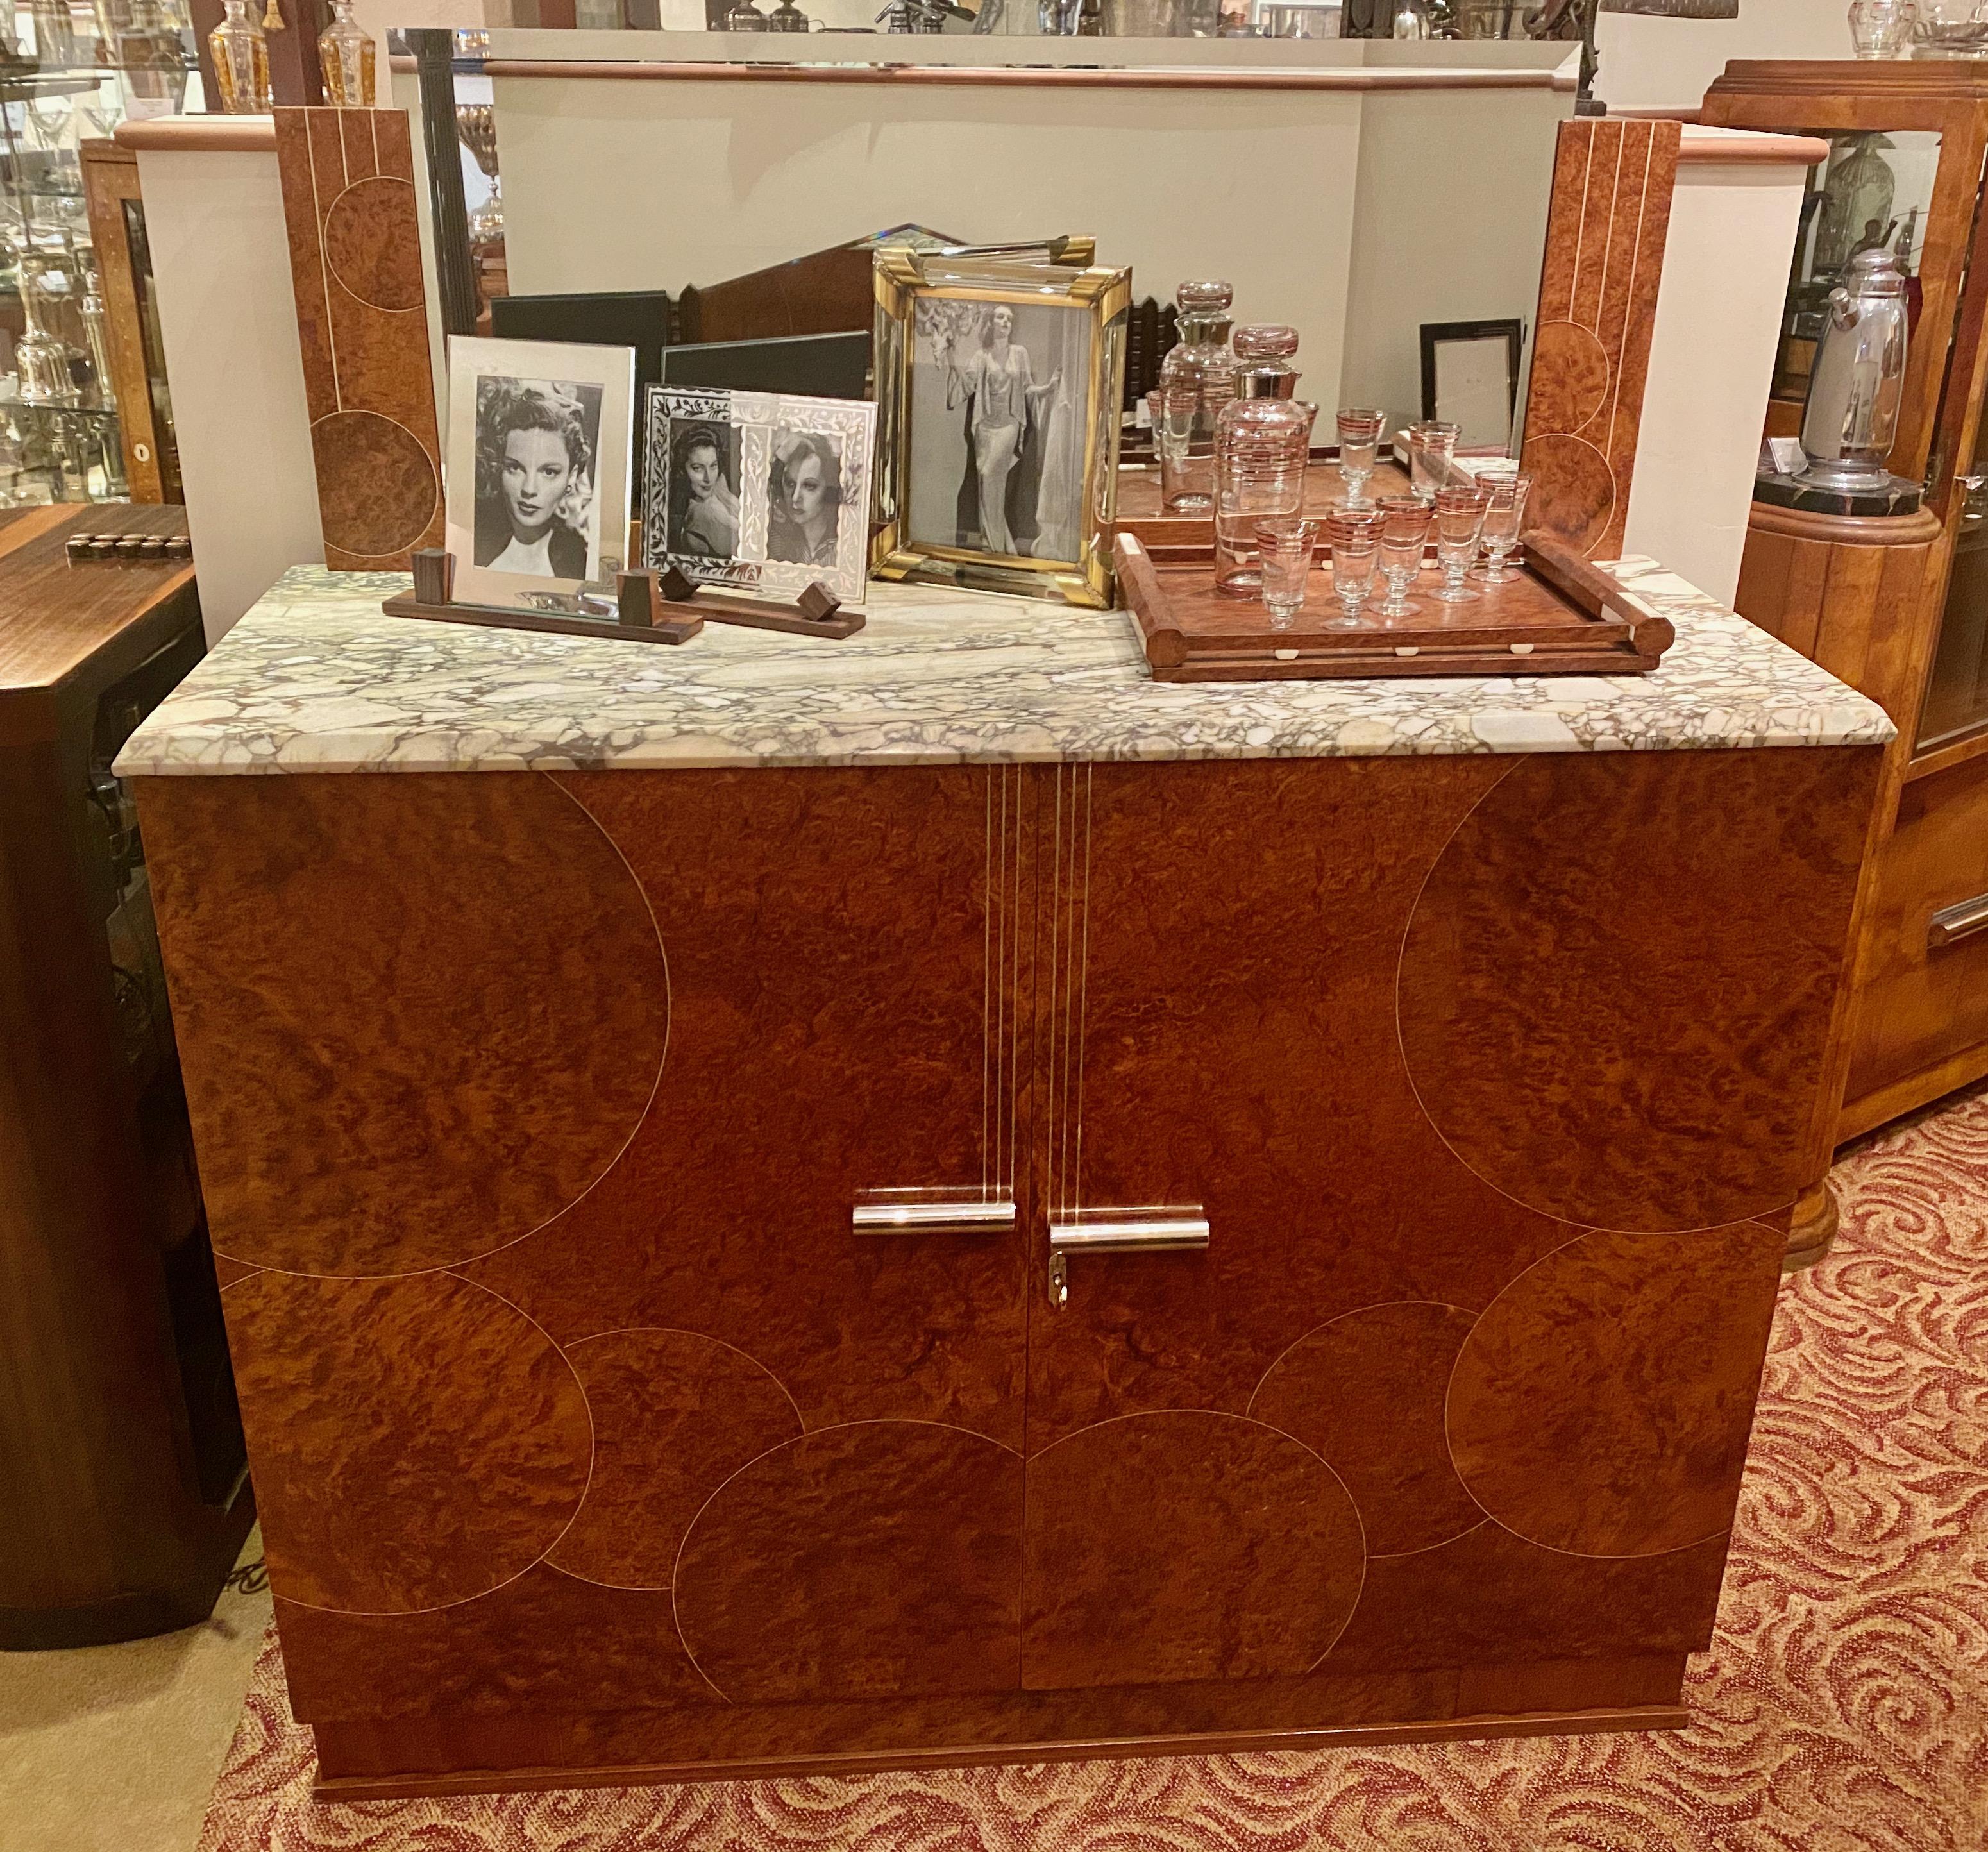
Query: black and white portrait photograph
point(535, 447)
point(804, 498)
point(760, 492)
point(538, 450)
point(704, 485)
point(997, 426)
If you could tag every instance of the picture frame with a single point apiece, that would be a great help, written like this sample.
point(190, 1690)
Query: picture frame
point(539, 449)
point(1470, 378)
point(998, 380)
point(764, 493)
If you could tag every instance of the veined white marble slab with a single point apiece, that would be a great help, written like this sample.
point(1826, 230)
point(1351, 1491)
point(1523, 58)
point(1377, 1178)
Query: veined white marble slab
point(315, 678)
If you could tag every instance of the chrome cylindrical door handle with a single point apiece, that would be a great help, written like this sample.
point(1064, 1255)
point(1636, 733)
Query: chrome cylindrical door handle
point(1156, 1229)
point(940, 1210)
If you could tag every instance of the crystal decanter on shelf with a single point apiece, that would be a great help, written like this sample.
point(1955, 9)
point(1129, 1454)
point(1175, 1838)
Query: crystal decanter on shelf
point(346, 53)
point(1197, 378)
point(241, 62)
point(1262, 440)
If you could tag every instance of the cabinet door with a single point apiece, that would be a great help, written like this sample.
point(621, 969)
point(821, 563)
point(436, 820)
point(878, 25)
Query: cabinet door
point(1479, 1071)
point(544, 1102)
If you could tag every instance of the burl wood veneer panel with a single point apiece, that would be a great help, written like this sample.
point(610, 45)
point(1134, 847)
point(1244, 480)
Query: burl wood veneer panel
point(1600, 1011)
point(355, 263)
point(1388, 1444)
point(1601, 1405)
point(434, 1026)
point(876, 1559)
point(1606, 226)
point(675, 1413)
point(842, 959)
point(1180, 1546)
point(1236, 1019)
point(415, 1442)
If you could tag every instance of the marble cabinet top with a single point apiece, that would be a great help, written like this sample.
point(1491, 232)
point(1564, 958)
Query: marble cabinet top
point(315, 678)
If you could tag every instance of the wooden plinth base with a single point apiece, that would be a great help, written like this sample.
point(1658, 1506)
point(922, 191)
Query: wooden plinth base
point(1812, 1227)
point(405, 1757)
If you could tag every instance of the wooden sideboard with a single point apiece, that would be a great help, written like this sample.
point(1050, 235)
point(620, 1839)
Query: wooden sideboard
point(595, 1443)
point(124, 1496)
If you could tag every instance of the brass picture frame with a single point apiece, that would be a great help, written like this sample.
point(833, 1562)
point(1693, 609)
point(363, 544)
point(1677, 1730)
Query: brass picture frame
point(947, 493)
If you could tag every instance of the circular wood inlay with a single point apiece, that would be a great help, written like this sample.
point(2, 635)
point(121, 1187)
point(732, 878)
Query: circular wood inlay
point(377, 489)
point(1366, 1392)
point(1184, 1545)
point(459, 1046)
point(1570, 379)
point(416, 1442)
point(1616, 986)
point(675, 1414)
point(366, 245)
point(1602, 1404)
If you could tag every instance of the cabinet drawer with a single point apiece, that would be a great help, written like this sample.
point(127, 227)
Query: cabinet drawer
point(1924, 1006)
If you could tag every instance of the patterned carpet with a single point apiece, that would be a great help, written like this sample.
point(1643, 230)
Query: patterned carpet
point(1843, 1705)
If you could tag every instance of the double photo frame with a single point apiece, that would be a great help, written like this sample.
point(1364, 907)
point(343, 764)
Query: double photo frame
point(998, 387)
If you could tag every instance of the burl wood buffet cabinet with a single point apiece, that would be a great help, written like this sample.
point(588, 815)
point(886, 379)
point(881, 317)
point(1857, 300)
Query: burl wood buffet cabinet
point(611, 1421)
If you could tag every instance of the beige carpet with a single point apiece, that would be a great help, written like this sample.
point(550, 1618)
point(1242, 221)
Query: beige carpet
point(1843, 1705)
point(115, 1749)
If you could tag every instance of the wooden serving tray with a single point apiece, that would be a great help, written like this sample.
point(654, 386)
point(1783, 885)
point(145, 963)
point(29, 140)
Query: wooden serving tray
point(1561, 616)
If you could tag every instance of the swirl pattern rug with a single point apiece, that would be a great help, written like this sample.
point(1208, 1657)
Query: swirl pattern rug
point(1843, 1704)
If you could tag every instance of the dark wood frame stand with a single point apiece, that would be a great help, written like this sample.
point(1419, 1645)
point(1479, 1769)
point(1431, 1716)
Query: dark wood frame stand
point(653, 607)
point(645, 616)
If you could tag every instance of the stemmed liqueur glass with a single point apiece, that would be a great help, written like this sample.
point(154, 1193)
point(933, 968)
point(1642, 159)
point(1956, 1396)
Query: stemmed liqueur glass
point(1354, 536)
point(1459, 519)
point(1285, 544)
point(1502, 520)
point(1432, 444)
point(1404, 526)
point(1359, 440)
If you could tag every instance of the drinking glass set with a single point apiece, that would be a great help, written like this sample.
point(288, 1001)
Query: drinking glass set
point(1386, 541)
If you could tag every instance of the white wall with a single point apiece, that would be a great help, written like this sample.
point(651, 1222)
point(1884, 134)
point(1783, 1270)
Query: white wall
point(715, 179)
point(1650, 63)
point(221, 264)
point(1451, 227)
point(1711, 354)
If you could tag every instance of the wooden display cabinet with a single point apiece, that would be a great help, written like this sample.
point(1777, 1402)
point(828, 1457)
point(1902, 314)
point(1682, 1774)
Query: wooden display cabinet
point(1896, 604)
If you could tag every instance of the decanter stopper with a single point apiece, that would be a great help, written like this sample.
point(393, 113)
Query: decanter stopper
point(1262, 349)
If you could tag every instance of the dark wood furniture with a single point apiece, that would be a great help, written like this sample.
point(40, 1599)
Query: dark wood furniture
point(124, 1494)
point(599, 1441)
point(1897, 605)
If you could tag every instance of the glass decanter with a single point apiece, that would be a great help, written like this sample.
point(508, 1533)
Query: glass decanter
point(346, 52)
point(241, 62)
point(1263, 442)
point(1197, 378)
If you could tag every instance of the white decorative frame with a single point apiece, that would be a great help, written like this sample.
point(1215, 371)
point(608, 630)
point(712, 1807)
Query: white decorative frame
point(754, 417)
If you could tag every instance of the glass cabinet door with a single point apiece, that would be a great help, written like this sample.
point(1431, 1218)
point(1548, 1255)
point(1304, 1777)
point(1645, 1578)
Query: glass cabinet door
point(1956, 701)
point(69, 71)
point(1874, 192)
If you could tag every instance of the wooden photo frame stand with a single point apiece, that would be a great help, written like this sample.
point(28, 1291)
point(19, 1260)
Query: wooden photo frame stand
point(661, 607)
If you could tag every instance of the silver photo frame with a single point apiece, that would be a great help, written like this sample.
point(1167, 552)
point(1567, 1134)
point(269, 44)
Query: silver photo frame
point(761, 492)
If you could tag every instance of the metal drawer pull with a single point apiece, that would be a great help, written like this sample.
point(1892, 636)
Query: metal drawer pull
point(1121, 1232)
point(1951, 924)
point(932, 1211)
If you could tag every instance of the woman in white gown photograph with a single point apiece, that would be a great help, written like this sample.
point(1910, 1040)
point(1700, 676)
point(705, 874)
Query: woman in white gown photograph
point(1006, 405)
